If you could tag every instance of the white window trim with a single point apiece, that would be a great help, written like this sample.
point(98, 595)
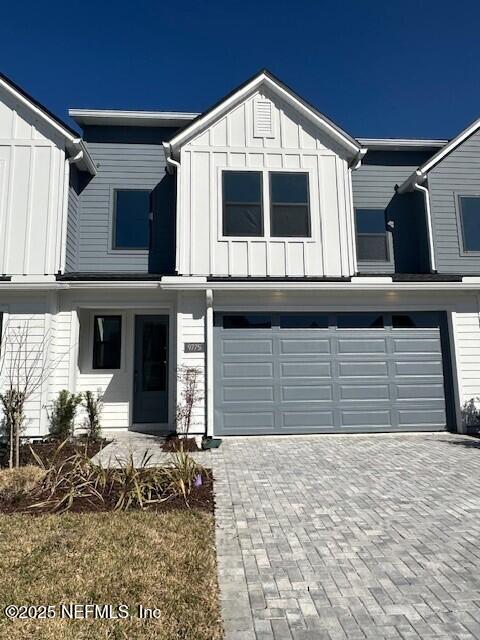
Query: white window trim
point(266, 206)
point(111, 222)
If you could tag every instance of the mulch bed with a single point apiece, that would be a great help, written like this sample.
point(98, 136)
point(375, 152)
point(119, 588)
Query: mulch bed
point(201, 498)
point(174, 443)
point(46, 449)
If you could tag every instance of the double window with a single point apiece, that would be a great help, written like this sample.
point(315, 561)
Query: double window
point(372, 243)
point(131, 220)
point(469, 212)
point(288, 204)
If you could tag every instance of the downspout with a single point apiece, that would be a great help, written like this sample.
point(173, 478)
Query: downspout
point(172, 166)
point(428, 211)
point(66, 185)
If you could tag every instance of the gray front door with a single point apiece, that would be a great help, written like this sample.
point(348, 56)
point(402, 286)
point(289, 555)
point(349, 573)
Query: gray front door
point(150, 393)
point(283, 373)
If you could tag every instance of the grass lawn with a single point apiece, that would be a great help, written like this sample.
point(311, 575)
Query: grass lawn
point(164, 560)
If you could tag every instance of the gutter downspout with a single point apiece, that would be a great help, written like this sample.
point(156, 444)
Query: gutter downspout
point(172, 166)
point(66, 185)
point(426, 195)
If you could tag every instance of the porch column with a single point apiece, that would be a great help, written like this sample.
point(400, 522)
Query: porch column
point(209, 371)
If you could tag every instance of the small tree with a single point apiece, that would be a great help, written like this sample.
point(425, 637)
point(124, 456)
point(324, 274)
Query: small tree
point(62, 414)
point(24, 367)
point(471, 412)
point(92, 404)
point(188, 378)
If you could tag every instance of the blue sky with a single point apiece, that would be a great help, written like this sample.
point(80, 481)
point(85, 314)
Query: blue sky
point(377, 68)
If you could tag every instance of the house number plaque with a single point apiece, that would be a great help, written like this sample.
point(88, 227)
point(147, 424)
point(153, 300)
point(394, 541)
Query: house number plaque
point(194, 347)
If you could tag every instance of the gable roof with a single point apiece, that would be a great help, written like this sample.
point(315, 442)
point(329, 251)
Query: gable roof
point(420, 174)
point(73, 143)
point(264, 77)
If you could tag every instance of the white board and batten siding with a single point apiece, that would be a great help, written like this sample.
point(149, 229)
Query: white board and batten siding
point(32, 171)
point(191, 329)
point(264, 133)
point(466, 324)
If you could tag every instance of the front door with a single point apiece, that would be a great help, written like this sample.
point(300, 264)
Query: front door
point(150, 391)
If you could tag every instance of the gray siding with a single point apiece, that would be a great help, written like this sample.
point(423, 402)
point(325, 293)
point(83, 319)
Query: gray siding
point(120, 166)
point(72, 221)
point(457, 174)
point(374, 188)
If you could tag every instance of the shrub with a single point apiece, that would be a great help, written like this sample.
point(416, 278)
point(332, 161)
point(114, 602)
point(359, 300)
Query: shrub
point(78, 479)
point(62, 414)
point(93, 407)
point(471, 412)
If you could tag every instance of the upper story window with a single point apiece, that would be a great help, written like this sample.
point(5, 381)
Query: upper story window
point(288, 204)
point(131, 219)
point(107, 339)
point(371, 229)
point(470, 222)
point(242, 203)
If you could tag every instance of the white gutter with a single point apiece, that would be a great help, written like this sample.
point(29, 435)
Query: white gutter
point(415, 183)
point(357, 161)
point(350, 287)
point(172, 166)
point(86, 284)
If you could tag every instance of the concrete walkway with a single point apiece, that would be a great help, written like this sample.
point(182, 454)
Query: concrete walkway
point(349, 537)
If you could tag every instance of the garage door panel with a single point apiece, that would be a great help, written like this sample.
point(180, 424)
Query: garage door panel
point(306, 393)
point(363, 392)
point(420, 391)
point(421, 417)
point(361, 345)
point(247, 421)
point(294, 380)
point(356, 369)
point(307, 420)
point(417, 345)
point(366, 418)
point(243, 393)
point(248, 370)
point(289, 346)
point(306, 369)
point(247, 347)
point(419, 368)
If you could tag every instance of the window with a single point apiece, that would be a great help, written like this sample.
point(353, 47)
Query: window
point(360, 321)
point(131, 219)
point(403, 322)
point(242, 203)
point(371, 235)
point(252, 321)
point(303, 321)
point(289, 206)
point(470, 222)
point(107, 338)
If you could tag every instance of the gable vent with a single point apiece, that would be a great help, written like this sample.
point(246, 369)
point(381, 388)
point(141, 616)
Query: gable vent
point(262, 119)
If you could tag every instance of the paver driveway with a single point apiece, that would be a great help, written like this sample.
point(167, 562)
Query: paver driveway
point(349, 536)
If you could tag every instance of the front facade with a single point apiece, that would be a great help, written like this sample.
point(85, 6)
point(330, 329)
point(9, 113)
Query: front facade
point(319, 283)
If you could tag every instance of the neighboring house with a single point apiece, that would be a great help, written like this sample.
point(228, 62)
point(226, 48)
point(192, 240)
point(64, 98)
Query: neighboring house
point(321, 283)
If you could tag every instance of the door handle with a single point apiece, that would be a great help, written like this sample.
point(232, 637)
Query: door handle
point(135, 380)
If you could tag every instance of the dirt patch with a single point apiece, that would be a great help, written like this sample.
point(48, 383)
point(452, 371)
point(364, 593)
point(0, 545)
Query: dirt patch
point(174, 443)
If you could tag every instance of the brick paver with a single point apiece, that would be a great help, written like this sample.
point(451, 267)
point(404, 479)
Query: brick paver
point(349, 537)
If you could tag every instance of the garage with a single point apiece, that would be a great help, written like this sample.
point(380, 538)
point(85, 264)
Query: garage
point(292, 373)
